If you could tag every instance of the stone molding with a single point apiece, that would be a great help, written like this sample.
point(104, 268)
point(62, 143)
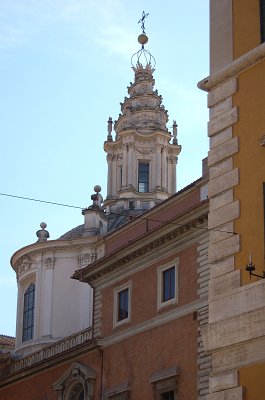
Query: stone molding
point(221, 199)
point(165, 318)
point(223, 381)
point(224, 283)
point(223, 151)
point(236, 393)
point(223, 182)
point(223, 215)
point(239, 65)
point(221, 168)
point(239, 355)
point(234, 330)
point(222, 267)
point(52, 350)
point(223, 249)
point(240, 300)
point(223, 121)
point(222, 137)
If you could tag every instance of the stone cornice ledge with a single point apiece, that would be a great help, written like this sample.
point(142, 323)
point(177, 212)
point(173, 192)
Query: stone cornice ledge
point(155, 322)
point(240, 64)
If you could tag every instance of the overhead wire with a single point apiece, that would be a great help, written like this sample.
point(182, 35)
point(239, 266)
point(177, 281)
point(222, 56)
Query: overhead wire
point(118, 214)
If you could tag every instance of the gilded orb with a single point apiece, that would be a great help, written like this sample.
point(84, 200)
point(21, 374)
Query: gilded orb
point(142, 39)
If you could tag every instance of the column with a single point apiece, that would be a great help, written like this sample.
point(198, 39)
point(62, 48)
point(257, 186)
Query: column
point(130, 164)
point(114, 176)
point(164, 168)
point(124, 167)
point(48, 266)
point(109, 183)
point(157, 179)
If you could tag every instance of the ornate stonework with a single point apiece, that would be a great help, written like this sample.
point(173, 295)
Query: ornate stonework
point(49, 262)
point(24, 265)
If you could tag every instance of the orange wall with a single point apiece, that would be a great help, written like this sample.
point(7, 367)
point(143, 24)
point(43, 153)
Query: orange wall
point(246, 26)
point(135, 360)
point(250, 160)
point(144, 291)
point(139, 357)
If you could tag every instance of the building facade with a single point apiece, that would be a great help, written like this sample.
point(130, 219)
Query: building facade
point(235, 335)
point(114, 308)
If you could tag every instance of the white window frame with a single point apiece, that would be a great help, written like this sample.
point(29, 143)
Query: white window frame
point(174, 300)
point(117, 290)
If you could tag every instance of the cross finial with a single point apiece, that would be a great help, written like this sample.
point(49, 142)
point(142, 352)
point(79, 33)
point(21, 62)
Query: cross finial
point(142, 21)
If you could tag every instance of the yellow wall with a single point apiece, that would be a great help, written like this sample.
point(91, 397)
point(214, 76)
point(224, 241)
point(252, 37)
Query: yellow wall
point(250, 100)
point(246, 26)
point(252, 378)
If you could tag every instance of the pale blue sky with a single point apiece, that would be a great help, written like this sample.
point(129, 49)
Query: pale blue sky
point(64, 69)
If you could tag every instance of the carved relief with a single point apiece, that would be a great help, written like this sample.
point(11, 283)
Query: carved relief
point(49, 262)
point(24, 265)
point(87, 258)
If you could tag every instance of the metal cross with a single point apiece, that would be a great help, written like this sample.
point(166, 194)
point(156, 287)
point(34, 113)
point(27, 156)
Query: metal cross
point(144, 15)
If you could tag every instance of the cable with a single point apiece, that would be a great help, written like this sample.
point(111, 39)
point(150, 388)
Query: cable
point(40, 201)
point(118, 214)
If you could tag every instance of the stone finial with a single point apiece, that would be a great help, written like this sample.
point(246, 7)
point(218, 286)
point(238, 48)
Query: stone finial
point(42, 234)
point(175, 132)
point(97, 198)
point(110, 123)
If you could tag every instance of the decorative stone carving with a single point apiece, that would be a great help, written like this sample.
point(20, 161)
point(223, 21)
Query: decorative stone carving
point(24, 265)
point(49, 262)
point(87, 258)
point(42, 234)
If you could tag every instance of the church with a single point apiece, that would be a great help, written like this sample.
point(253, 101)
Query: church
point(113, 309)
point(158, 294)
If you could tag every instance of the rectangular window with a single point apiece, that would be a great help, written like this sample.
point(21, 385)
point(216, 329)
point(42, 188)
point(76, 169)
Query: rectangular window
point(28, 313)
point(262, 20)
point(167, 290)
point(122, 304)
point(168, 284)
point(143, 177)
point(168, 395)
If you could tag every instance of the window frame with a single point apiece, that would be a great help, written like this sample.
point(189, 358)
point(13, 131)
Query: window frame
point(161, 303)
point(29, 313)
point(117, 291)
point(147, 182)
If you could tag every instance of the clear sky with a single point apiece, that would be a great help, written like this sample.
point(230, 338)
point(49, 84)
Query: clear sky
point(64, 69)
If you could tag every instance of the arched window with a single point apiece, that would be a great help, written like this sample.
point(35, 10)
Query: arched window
point(28, 313)
point(77, 392)
point(77, 383)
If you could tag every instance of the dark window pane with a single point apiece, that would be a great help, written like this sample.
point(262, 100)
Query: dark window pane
point(28, 313)
point(123, 304)
point(168, 395)
point(143, 177)
point(169, 284)
point(262, 20)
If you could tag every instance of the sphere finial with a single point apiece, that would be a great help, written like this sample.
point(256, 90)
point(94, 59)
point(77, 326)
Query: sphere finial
point(42, 234)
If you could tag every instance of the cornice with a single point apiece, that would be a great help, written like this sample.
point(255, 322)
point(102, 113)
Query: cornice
point(140, 247)
point(239, 65)
point(165, 318)
point(36, 249)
